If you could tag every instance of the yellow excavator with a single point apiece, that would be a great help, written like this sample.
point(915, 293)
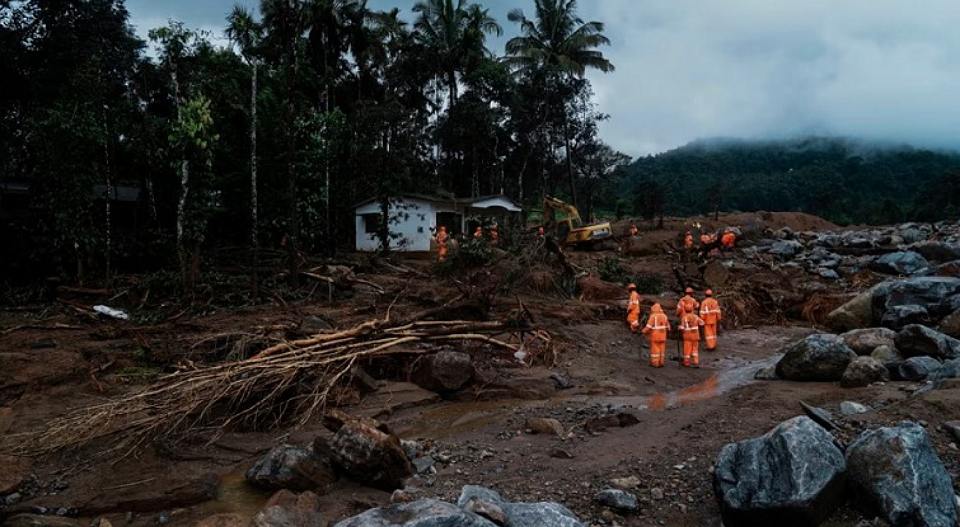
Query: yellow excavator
point(563, 220)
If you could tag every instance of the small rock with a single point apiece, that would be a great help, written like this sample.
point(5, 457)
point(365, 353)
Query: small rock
point(818, 357)
point(286, 509)
point(290, 467)
point(627, 483)
point(886, 355)
point(559, 453)
point(617, 499)
point(487, 509)
point(656, 494)
point(917, 368)
point(545, 425)
point(863, 371)
point(444, 372)
point(852, 408)
point(864, 341)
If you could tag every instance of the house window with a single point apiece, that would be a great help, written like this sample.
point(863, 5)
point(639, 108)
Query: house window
point(371, 223)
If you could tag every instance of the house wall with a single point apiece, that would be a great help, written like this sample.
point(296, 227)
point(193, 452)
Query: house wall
point(412, 224)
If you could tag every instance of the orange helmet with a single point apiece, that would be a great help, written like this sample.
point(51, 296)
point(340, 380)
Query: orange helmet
point(708, 292)
point(631, 287)
point(688, 291)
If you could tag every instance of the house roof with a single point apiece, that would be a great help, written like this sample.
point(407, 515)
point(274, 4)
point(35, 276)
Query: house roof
point(448, 200)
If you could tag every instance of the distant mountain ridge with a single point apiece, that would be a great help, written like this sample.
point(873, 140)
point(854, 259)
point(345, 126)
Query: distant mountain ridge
point(841, 179)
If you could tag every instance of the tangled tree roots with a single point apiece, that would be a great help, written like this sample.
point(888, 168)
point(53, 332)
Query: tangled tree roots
point(288, 382)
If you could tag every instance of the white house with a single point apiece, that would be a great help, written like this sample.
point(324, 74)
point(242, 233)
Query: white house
point(413, 218)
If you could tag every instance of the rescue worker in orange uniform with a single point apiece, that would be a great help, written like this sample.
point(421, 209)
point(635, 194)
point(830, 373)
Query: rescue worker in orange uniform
point(728, 240)
point(688, 240)
point(711, 315)
point(442, 244)
point(690, 327)
point(687, 302)
point(540, 232)
point(478, 233)
point(633, 308)
point(656, 332)
point(707, 239)
point(634, 231)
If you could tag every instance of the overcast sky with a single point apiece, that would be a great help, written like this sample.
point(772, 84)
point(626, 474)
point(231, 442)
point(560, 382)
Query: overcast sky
point(875, 69)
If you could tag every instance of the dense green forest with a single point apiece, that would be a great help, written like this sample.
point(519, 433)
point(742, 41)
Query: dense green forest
point(843, 180)
point(119, 154)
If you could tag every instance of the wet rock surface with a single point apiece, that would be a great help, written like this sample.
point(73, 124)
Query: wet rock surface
point(819, 357)
point(290, 467)
point(895, 472)
point(809, 478)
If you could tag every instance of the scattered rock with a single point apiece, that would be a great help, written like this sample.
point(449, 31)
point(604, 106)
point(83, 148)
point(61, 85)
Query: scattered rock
point(560, 453)
point(934, 293)
point(627, 483)
point(656, 494)
point(937, 251)
point(819, 357)
point(886, 354)
point(894, 471)
point(917, 340)
point(864, 341)
point(486, 509)
point(420, 513)
point(618, 500)
point(444, 371)
point(545, 425)
point(917, 368)
point(290, 467)
point(852, 408)
point(900, 263)
point(543, 514)
point(785, 249)
point(794, 471)
point(365, 451)
point(561, 380)
point(863, 371)
point(286, 509)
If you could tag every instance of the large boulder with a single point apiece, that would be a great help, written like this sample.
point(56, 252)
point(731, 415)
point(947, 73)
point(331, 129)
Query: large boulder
point(286, 509)
point(896, 473)
point(544, 514)
point(916, 340)
point(950, 325)
point(917, 369)
point(934, 293)
point(366, 451)
point(818, 357)
point(863, 371)
point(937, 251)
point(898, 317)
point(854, 314)
point(785, 249)
point(420, 513)
point(864, 341)
point(291, 467)
point(792, 475)
point(444, 371)
point(900, 263)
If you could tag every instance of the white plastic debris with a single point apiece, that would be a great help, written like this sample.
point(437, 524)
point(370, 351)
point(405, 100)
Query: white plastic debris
point(111, 312)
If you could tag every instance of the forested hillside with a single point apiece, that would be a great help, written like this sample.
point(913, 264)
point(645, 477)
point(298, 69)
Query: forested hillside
point(845, 181)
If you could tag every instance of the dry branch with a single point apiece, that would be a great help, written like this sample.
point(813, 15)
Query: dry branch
point(288, 382)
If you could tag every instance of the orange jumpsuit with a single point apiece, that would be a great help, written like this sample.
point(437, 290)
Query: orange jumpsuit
point(442, 244)
point(688, 241)
point(634, 231)
point(728, 240)
point(690, 327)
point(656, 332)
point(633, 311)
point(710, 313)
point(478, 234)
point(687, 303)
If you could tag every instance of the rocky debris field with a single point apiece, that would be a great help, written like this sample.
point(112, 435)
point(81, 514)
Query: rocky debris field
point(843, 412)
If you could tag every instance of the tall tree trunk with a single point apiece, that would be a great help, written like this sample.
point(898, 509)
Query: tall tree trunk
point(182, 252)
point(108, 216)
point(254, 202)
point(566, 142)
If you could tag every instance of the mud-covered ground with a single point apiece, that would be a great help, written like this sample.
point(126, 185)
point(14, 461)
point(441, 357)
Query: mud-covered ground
point(53, 361)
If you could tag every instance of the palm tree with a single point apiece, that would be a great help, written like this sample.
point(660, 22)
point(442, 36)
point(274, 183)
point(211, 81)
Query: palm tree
point(247, 33)
point(454, 32)
point(555, 47)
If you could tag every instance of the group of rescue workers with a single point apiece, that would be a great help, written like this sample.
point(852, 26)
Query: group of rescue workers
point(443, 238)
point(690, 320)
